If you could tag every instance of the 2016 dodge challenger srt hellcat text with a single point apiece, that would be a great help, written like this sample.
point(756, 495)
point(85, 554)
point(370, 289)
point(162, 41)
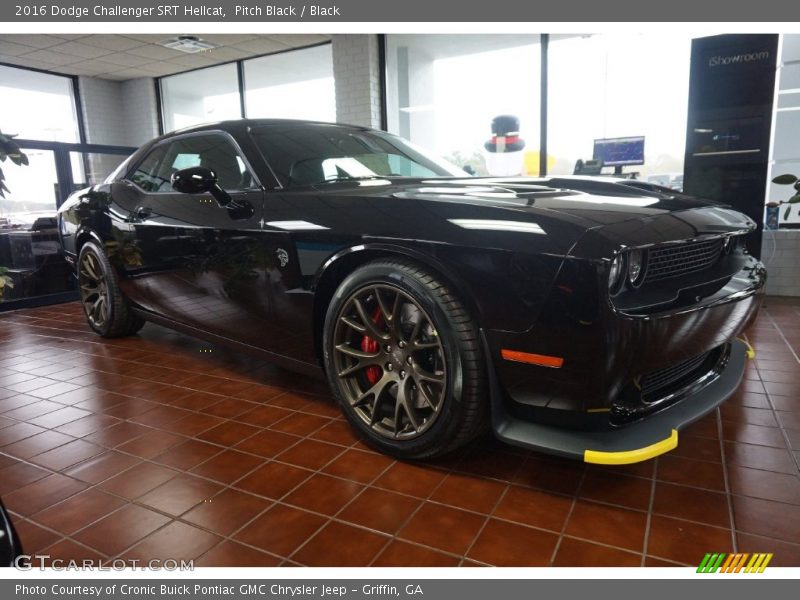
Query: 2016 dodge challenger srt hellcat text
point(586, 317)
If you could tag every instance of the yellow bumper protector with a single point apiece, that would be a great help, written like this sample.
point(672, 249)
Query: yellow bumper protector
point(751, 353)
point(627, 457)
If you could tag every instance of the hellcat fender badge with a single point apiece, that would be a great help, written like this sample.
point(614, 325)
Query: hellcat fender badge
point(283, 256)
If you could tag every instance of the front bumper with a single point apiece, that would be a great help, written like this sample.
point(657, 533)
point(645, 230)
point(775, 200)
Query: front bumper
point(646, 439)
point(603, 350)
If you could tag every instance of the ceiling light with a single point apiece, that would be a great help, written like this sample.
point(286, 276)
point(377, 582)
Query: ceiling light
point(191, 44)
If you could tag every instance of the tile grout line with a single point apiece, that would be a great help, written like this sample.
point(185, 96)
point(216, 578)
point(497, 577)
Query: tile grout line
point(786, 440)
point(650, 504)
point(490, 515)
point(783, 337)
point(568, 516)
point(726, 481)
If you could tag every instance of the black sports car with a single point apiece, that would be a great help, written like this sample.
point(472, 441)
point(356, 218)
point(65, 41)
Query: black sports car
point(589, 318)
point(9, 542)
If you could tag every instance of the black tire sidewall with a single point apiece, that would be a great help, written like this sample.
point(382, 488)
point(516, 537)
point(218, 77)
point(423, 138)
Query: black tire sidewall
point(448, 420)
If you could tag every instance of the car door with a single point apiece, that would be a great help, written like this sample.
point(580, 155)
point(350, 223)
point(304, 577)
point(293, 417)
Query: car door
point(205, 264)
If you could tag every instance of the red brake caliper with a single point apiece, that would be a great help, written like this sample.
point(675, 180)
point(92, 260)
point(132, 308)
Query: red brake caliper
point(373, 372)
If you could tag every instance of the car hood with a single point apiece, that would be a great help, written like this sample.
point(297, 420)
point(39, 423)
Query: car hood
point(524, 214)
point(593, 203)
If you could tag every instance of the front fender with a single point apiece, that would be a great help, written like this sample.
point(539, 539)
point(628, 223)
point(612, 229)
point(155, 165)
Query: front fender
point(505, 290)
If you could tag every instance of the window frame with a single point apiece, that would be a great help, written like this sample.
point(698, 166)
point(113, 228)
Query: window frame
point(258, 186)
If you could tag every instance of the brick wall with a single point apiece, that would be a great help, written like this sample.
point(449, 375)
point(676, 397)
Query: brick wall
point(356, 71)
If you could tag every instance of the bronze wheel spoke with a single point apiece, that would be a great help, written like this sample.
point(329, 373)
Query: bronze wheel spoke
point(360, 364)
point(423, 391)
point(93, 290)
point(355, 353)
point(404, 405)
point(389, 316)
point(424, 345)
point(422, 375)
point(353, 325)
point(376, 390)
point(374, 332)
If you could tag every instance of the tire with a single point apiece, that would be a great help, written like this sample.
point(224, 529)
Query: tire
point(429, 362)
point(106, 308)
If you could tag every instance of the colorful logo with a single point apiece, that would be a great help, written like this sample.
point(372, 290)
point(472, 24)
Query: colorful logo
point(719, 562)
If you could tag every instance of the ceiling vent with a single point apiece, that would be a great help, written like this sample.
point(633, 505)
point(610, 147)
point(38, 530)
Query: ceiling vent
point(190, 44)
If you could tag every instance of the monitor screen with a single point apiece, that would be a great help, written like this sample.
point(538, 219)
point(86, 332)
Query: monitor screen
point(616, 152)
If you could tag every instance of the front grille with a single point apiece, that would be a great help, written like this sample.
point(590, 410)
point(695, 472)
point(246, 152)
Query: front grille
point(681, 259)
point(659, 381)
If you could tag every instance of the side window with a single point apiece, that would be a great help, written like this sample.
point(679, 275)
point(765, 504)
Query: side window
point(215, 152)
point(146, 175)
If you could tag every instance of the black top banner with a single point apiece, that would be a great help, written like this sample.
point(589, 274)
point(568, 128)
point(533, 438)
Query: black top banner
point(440, 11)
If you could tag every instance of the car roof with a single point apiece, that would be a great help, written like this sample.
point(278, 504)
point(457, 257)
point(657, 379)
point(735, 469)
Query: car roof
point(238, 126)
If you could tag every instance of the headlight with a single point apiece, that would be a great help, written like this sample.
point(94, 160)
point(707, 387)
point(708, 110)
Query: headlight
point(637, 266)
point(615, 274)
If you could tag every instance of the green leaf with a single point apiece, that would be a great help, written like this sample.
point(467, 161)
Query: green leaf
point(19, 159)
point(794, 199)
point(785, 179)
point(786, 213)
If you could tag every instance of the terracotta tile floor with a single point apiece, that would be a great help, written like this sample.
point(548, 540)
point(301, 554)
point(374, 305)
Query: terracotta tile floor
point(154, 447)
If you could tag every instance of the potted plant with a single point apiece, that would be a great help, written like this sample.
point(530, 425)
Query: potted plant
point(787, 179)
point(8, 150)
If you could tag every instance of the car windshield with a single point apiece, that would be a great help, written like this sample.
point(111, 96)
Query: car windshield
point(313, 154)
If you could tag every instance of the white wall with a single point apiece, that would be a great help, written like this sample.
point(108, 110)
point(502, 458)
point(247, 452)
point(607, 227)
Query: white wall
point(121, 113)
point(116, 113)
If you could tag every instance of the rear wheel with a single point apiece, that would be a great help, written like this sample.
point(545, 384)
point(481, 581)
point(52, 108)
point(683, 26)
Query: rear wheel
point(403, 358)
point(106, 308)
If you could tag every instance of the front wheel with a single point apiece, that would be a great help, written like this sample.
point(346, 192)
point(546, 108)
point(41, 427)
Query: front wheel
point(104, 305)
point(403, 357)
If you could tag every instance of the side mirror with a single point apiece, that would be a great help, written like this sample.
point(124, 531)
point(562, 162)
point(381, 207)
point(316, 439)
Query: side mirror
point(199, 180)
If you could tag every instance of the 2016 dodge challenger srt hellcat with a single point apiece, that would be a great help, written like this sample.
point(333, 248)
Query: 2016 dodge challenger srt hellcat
point(589, 318)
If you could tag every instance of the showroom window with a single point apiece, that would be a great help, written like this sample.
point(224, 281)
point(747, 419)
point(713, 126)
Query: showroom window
point(297, 84)
point(443, 91)
point(38, 106)
point(619, 86)
point(200, 96)
point(42, 110)
point(294, 85)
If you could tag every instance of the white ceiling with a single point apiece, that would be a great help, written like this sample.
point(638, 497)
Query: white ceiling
point(130, 56)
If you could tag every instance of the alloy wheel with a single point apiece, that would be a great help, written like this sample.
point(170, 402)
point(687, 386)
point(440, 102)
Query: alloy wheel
point(94, 290)
point(390, 362)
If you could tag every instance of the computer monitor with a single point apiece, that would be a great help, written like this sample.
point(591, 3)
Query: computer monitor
point(619, 152)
